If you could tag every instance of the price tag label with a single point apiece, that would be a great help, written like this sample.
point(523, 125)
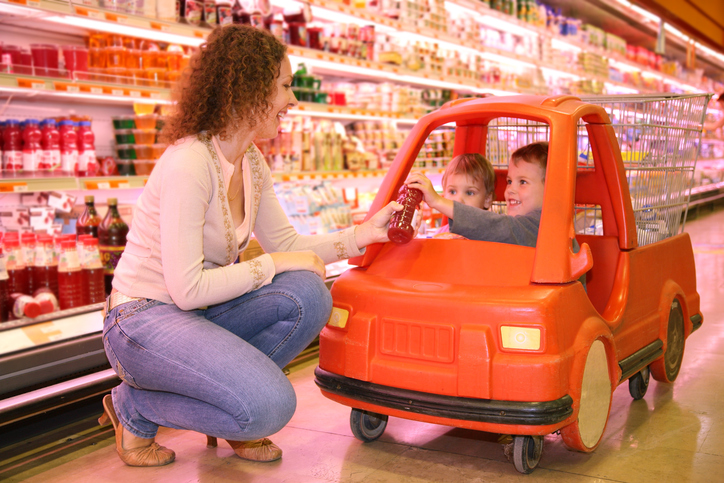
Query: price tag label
point(96, 90)
point(37, 85)
point(134, 93)
point(155, 95)
point(19, 188)
point(96, 15)
point(124, 185)
point(117, 92)
point(160, 26)
point(13, 187)
point(73, 89)
point(33, 3)
point(104, 186)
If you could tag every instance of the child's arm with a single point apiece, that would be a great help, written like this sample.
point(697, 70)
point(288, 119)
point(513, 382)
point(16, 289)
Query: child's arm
point(434, 200)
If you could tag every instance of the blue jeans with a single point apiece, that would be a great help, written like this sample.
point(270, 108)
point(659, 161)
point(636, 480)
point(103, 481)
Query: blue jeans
point(216, 371)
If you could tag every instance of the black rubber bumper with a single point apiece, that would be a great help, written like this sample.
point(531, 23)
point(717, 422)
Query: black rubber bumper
point(451, 407)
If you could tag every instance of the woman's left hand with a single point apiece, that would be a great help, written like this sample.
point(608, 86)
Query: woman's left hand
point(374, 230)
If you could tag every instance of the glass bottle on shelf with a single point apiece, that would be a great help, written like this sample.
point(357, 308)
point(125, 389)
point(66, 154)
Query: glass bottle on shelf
point(27, 246)
point(93, 273)
point(70, 283)
point(89, 221)
point(112, 241)
point(45, 269)
point(4, 294)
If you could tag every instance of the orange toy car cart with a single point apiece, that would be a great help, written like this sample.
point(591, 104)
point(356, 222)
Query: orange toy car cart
point(504, 338)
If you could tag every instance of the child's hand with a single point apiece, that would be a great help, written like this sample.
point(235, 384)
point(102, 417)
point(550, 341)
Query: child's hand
point(421, 182)
point(437, 202)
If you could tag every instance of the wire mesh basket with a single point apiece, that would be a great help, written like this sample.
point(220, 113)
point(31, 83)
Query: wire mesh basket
point(659, 137)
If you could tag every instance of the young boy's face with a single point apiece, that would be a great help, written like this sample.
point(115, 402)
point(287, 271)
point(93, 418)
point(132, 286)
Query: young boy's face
point(526, 183)
point(464, 189)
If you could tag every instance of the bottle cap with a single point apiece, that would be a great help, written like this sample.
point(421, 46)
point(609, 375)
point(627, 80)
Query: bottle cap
point(112, 201)
point(27, 237)
point(32, 309)
point(89, 199)
point(84, 123)
point(67, 245)
point(89, 242)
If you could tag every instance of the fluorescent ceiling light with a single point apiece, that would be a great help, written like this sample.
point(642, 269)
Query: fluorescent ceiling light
point(126, 30)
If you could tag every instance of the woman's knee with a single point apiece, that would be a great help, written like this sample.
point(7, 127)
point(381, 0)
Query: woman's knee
point(310, 294)
point(268, 412)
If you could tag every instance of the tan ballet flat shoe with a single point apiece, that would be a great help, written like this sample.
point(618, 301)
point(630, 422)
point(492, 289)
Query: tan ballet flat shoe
point(259, 450)
point(151, 455)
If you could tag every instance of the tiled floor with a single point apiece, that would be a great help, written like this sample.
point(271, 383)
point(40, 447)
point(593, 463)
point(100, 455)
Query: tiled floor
point(675, 434)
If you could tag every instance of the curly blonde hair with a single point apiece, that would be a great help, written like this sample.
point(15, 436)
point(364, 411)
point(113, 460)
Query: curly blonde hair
point(229, 84)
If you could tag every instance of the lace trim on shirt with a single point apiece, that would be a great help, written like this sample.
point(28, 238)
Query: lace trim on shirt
point(228, 226)
point(257, 273)
point(341, 250)
point(257, 175)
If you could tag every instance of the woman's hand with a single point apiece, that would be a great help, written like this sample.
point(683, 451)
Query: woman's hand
point(302, 260)
point(374, 230)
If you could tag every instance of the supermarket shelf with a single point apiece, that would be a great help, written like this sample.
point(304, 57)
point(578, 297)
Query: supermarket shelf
point(98, 18)
point(47, 87)
point(332, 175)
point(342, 112)
point(28, 185)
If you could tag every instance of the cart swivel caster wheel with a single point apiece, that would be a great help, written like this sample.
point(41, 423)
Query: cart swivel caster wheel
point(367, 426)
point(527, 451)
point(639, 383)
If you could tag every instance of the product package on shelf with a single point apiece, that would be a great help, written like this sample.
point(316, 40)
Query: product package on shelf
point(314, 208)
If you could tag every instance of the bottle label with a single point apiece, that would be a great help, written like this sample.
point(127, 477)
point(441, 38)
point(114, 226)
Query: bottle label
point(44, 256)
point(224, 16)
point(92, 259)
point(14, 260)
point(3, 269)
point(49, 159)
point(193, 12)
point(30, 160)
point(110, 256)
point(29, 256)
point(12, 160)
point(86, 159)
point(210, 12)
point(69, 261)
point(69, 161)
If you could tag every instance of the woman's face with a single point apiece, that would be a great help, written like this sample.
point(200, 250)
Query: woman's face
point(282, 100)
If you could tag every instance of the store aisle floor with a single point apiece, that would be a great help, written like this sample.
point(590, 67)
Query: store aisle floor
point(675, 434)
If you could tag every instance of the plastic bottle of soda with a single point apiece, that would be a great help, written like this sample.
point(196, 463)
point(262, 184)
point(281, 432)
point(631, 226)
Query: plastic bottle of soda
point(31, 147)
point(4, 295)
point(68, 148)
point(12, 146)
point(45, 271)
point(89, 220)
point(70, 277)
point(87, 163)
point(24, 306)
point(15, 265)
point(93, 273)
point(50, 142)
point(401, 228)
point(27, 245)
point(111, 241)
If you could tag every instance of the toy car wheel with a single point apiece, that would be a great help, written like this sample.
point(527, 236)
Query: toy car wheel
point(527, 451)
point(367, 426)
point(585, 433)
point(639, 383)
point(667, 368)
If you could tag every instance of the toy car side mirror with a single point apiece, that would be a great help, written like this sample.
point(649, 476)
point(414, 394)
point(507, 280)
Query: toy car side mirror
point(581, 262)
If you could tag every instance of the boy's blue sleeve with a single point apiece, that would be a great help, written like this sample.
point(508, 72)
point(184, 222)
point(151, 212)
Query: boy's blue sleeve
point(477, 224)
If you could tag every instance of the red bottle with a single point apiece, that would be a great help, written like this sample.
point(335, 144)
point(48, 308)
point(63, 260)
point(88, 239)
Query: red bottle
point(50, 144)
point(24, 306)
point(31, 146)
point(89, 221)
point(93, 273)
point(27, 245)
point(68, 148)
point(12, 146)
point(15, 265)
point(401, 228)
point(45, 269)
point(4, 294)
point(87, 163)
point(70, 277)
point(112, 241)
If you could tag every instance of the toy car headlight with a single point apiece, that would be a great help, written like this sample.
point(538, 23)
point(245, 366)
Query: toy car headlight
point(525, 338)
point(338, 318)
